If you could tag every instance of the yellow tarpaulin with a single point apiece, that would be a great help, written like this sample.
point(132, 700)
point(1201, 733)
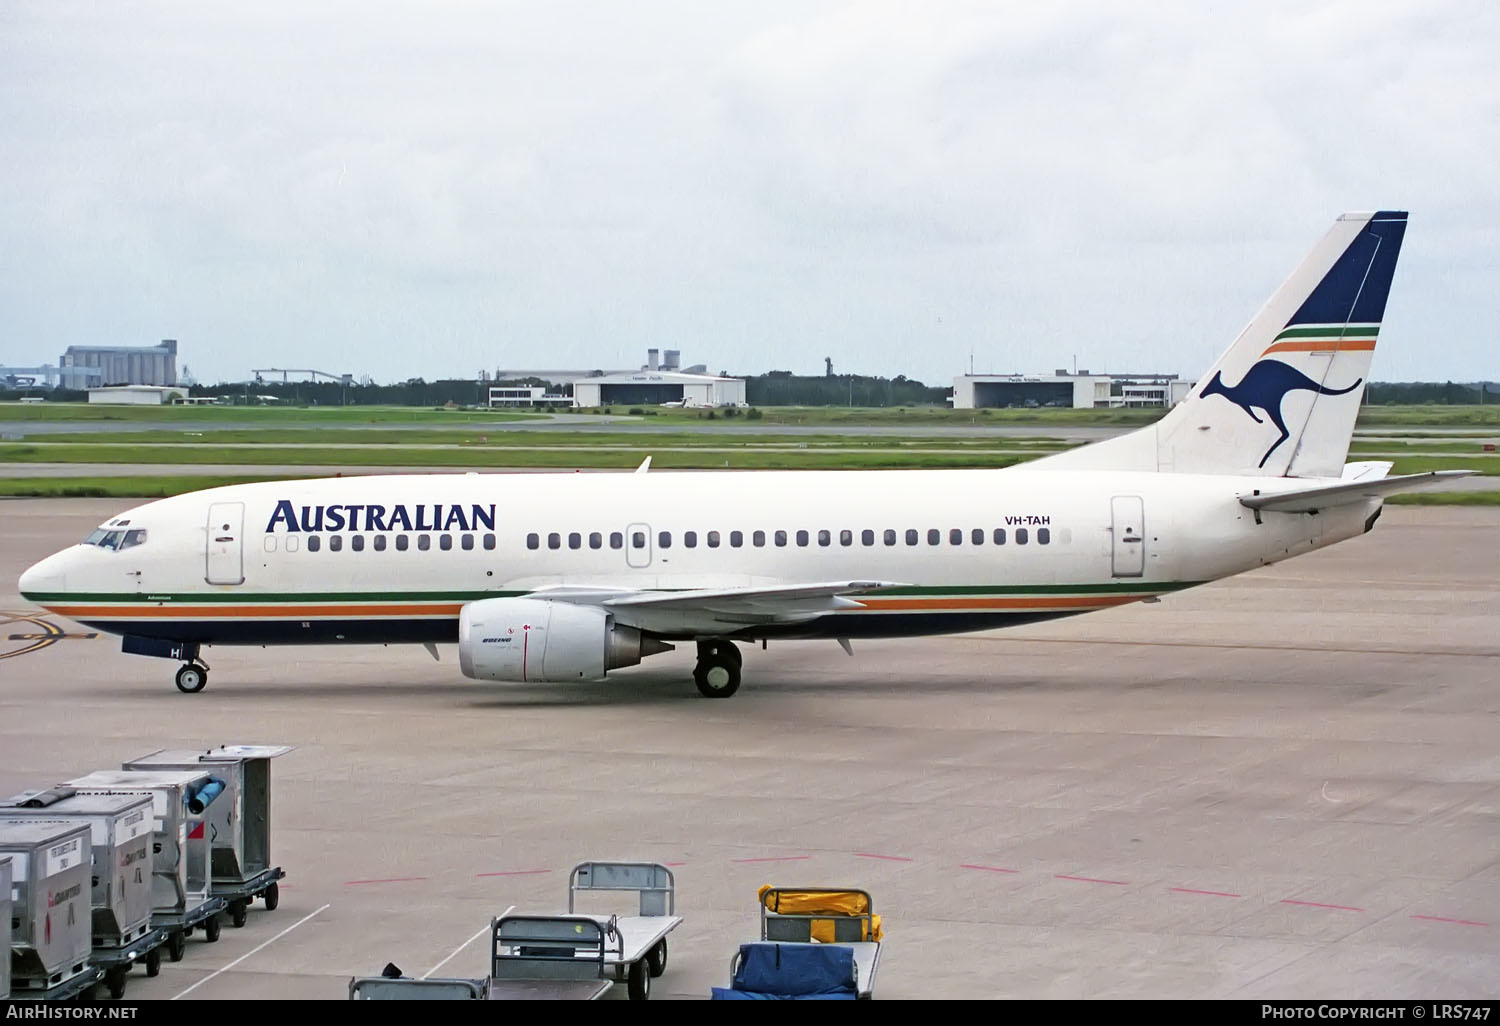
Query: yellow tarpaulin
point(836, 903)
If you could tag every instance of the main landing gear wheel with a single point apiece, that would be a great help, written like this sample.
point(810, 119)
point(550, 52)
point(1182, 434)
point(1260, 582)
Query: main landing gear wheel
point(192, 678)
point(718, 672)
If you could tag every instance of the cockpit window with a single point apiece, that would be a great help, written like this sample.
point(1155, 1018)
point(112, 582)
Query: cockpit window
point(133, 538)
point(111, 540)
point(116, 540)
point(96, 537)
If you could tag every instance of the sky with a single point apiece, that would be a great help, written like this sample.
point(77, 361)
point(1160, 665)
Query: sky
point(430, 190)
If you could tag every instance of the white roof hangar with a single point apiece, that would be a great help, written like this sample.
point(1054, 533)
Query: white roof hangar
point(658, 387)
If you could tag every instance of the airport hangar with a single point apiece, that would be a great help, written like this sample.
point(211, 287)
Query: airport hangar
point(1083, 391)
point(655, 387)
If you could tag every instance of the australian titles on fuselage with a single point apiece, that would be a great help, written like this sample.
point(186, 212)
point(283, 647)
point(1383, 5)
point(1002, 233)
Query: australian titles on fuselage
point(436, 516)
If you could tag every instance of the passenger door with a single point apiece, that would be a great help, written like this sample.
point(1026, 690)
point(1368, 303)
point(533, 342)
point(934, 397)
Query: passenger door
point(1128, 527)
point(225, 543)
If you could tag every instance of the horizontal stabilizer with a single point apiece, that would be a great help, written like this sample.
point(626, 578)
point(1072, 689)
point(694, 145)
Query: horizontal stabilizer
point(1321, 497)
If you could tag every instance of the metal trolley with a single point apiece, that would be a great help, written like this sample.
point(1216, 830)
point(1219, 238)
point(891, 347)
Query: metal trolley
point(834, 937)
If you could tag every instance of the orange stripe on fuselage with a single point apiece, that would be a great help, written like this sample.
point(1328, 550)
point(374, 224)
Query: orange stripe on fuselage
point(1324, 345)
point(221, 612)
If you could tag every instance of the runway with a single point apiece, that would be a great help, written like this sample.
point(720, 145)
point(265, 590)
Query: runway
point(1281, 786)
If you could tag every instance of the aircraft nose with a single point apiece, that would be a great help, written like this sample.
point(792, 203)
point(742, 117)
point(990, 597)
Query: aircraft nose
point(43, 579)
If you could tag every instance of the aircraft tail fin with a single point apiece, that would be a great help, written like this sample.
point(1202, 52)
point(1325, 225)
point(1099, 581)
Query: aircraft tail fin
point(1282, 400)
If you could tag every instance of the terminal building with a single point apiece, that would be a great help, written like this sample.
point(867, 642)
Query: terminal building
point(84, 366)
point(1080, 391)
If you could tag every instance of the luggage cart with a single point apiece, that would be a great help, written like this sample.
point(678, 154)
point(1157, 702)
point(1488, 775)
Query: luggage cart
point(239, 822)
point(120, 829)
point(180, 897)
point(49, 948)
point(641, 953)
point(814, 942)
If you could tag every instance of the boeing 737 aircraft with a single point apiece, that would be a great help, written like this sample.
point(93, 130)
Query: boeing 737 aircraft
point(551, 577)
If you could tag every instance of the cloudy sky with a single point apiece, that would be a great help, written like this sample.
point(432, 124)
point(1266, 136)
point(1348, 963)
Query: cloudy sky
point(430, 189)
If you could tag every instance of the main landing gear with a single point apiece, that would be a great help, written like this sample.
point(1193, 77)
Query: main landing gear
point(193, 677)
point(718, 671)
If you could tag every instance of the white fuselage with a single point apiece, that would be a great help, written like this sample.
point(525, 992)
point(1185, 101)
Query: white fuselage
point(278, 563)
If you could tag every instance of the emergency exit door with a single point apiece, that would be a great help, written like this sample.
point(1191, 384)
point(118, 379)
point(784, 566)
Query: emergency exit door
point(1128, 528)
point(226, 543)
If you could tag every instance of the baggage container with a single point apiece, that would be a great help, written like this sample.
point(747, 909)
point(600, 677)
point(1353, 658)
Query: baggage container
point(120, 829)
point(49, 896)
point(5, 926)
point(239, 821)
point(180, 898)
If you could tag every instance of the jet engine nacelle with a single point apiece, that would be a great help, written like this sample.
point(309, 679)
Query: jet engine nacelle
point(521, 639)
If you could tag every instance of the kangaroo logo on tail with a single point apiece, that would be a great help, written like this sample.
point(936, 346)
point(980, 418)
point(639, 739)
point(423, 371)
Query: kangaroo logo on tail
point(1265, 385)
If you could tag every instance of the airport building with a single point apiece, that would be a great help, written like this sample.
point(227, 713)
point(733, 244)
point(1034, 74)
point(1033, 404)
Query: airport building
point(659, 387)
point(82, 366)
point(525, 395)
point(1081, 391)
point(136, 395)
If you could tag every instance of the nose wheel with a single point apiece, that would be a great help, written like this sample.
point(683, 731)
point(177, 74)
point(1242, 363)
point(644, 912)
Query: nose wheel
point(718, 671)
point(192, 678)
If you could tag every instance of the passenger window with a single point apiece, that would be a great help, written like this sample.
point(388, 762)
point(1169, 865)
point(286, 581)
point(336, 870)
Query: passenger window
point(575, 540)
point(780, 539)
point(314, 543)
point(466, 542)
point(911, 536)
point(335, 542)
point(846, 537)
point(424, 542)
point(291, 543)
point(713, 539)
point(934, 536)
point(489, 542)
point(138, 537)
point(690, 539)
point(955, 536)
point(664, 539)
point(554, 541)
point(638, 539)
point(890, 536)
point(1043, 536)
point(532, 542)
point(616, 540)
point(736, 539)
point(867, 537)
point(824, 537)
point(977, 536)
point(1020, 536)
point(802, 538)
point(379, 543)
point(999, 536)
point(596, 541)
point(758, 539)
point(445, 542)
point(402, 542)
point(270, 543)
point(357, 543)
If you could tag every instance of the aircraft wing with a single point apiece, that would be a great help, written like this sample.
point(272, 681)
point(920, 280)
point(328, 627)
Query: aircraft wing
point(1320, 497)
point(707, 610)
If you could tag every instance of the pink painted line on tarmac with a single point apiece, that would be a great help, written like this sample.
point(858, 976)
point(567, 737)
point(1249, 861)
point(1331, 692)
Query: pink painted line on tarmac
point(1445, 919)
point(515, 872)
point(393, 879)
point(775, 858)
point(673, 865)
point(1211, 894)
point(1090, 879)
point(884, 858)
point(988, 869)
point(1319, 904)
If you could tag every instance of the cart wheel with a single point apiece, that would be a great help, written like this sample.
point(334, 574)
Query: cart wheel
point(237, 914)
point(640, 981)
point(115, 981)
point(176, 946)
point(271, 896)
point(656, 958)
point(153, 962)
point(211, 928)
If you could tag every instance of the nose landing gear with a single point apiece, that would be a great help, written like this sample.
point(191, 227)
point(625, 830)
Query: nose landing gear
point(192, 677)
point(718, 671)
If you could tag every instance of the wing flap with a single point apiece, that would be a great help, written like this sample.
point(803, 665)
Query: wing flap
point(1321, 497)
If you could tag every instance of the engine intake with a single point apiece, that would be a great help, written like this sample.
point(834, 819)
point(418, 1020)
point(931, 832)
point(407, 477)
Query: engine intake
point(520, 639)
